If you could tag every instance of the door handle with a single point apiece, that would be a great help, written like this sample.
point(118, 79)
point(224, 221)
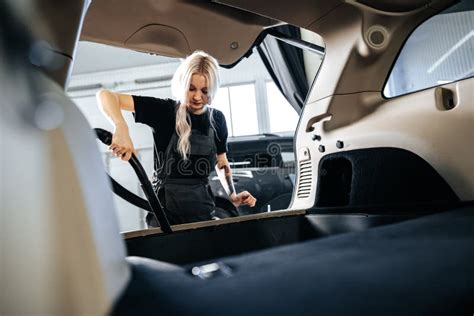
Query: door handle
point(317, 119)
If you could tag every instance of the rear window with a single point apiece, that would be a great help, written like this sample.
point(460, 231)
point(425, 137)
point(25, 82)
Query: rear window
point(439, 51)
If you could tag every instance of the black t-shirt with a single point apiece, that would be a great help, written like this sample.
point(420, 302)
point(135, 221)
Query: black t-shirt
point(160, 115)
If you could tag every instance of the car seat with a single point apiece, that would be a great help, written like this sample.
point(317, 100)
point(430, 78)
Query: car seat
point(61, 248)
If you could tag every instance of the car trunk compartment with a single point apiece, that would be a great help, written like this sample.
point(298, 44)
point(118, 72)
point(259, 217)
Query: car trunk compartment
point(216, 241)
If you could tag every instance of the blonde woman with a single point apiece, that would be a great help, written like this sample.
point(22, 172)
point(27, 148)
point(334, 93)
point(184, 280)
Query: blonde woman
point(190, 138)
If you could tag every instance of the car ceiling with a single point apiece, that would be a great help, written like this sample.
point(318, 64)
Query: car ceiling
point(174, 28)
point(227, 29)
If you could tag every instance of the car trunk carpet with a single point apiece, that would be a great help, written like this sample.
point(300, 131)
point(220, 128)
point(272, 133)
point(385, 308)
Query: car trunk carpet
point(418, 267)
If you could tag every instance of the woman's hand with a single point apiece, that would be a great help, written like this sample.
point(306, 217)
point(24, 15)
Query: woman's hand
point(228, 184)
point(112, 104)
point(122, 145)
point(243, 197)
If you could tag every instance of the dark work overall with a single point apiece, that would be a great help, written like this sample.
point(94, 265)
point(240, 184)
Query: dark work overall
point(186, 199)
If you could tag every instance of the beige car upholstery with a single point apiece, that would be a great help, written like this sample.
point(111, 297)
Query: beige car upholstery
point(165, 27)
point(61, 251)
point(346, 100)
point(55, 25)
point(413, 122)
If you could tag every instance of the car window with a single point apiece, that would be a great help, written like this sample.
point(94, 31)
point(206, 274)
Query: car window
point(439, 51)
point(238, 102)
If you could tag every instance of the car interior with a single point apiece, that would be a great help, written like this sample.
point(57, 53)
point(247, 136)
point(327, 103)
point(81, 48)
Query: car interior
point(381, 218)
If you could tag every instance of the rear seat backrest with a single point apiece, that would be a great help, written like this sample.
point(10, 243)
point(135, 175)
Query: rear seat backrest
point(61, 250)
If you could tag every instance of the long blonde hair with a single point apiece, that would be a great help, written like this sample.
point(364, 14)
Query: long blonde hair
point(201, 63)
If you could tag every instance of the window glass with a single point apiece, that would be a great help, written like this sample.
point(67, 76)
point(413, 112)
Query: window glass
point(283, 117)
point(222, 103)
point(441, 50)
point(243, 110)
point(239, 105)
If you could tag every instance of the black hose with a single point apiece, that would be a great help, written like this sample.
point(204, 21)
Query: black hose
point(129, 196)
point(153, 201)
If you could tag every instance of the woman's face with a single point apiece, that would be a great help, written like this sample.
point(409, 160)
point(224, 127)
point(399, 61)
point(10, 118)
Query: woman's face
point(197, 93)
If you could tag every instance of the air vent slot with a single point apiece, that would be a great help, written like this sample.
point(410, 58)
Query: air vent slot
point(305, 179)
